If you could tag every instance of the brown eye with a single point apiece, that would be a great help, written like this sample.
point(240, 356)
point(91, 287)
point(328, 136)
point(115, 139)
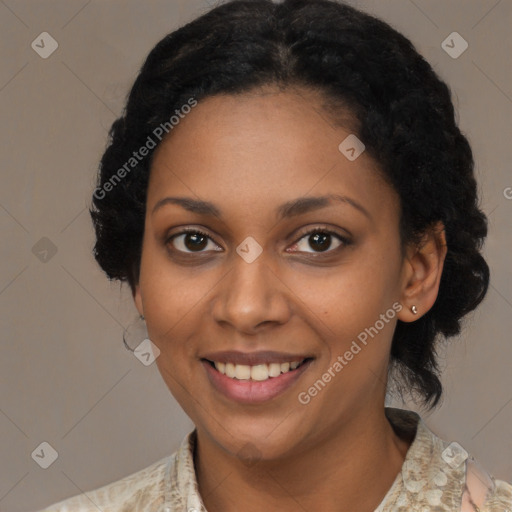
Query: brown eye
point(191, 241)
point(319, 240)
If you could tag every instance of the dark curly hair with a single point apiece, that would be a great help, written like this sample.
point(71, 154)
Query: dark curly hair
point(405, 118)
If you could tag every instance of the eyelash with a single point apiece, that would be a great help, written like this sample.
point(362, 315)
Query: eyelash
point(344, 240)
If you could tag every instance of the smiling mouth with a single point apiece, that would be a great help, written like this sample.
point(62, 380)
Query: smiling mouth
point(259, 372)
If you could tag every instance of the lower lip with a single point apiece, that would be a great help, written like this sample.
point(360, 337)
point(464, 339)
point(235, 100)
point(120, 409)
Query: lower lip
point(252, 391)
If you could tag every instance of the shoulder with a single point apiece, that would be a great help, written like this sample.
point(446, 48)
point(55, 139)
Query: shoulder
point(441, 475)
point(168, 484)
point(142, 490)
point(497, 496)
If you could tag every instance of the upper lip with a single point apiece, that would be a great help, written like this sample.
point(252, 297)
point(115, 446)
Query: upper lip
point(253, 358)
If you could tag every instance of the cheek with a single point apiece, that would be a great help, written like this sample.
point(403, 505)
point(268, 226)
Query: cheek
point(348, 303)
point(349, 295)
point(173, 297)
point(178, 380)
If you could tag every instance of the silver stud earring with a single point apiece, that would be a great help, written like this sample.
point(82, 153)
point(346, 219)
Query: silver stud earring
point(414, 310)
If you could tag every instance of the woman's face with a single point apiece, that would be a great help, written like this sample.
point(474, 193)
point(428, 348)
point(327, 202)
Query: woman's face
point(256, 291)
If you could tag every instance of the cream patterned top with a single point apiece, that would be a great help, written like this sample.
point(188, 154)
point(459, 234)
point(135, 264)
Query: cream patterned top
point(432, 479)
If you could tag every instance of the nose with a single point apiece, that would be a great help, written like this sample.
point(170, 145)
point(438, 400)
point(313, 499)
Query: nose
point(251, 297)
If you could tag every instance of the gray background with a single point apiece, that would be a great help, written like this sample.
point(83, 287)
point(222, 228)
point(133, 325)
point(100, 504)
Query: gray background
point(65, 376)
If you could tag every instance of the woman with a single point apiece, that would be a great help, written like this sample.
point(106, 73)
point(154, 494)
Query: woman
point(294, 208)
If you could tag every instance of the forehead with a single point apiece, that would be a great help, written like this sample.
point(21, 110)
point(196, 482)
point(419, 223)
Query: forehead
point(262, 147)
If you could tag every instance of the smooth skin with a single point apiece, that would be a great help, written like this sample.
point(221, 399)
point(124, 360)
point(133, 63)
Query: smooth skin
point(249, 154)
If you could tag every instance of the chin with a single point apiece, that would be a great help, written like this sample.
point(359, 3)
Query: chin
point(261, 439)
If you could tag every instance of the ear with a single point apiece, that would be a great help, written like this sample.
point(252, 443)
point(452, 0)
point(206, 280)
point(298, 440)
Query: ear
point(423, 266)
point(137, 298)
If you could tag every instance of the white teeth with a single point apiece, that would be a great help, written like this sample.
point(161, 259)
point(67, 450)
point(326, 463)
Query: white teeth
point(230, 370)
point(242, 372)
point(258, 372)
point(274, 370)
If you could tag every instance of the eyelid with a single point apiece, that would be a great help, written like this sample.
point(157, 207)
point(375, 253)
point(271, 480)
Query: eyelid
point(322, 228)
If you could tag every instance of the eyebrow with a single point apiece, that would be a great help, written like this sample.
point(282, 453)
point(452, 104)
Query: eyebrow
point(291, 208)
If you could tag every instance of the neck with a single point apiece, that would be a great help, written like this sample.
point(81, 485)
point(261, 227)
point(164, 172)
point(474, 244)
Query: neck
point(350, 468)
